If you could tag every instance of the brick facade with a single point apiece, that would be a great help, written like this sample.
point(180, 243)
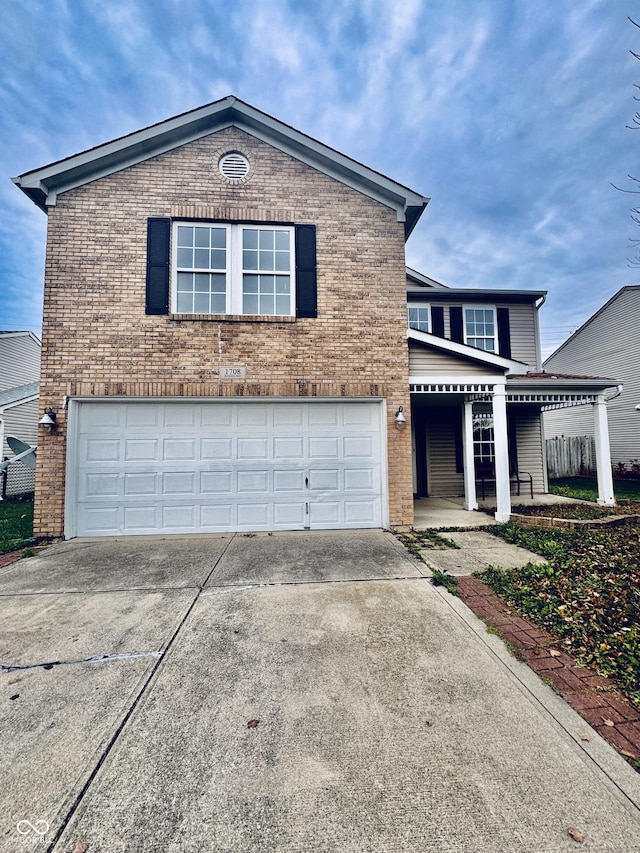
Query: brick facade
point(97, 340)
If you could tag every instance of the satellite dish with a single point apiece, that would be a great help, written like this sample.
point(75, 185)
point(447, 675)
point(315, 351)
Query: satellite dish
point(25, 453)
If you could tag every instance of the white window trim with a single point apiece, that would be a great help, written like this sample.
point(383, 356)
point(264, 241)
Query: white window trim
point(474, 307)
point(234, 272)
point(423, 305)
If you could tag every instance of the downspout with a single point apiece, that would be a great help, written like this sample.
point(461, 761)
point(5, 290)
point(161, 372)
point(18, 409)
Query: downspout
point(616, 393)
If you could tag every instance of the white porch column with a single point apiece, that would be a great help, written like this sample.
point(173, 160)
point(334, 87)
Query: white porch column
point(603, 453)
point(470, 501)
point(503, 490)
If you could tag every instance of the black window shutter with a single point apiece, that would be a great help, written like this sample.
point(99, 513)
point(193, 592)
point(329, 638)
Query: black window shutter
point(504, 333)
point(437, 321)
point(306, 272)
point(455, 318)
point(158, 234)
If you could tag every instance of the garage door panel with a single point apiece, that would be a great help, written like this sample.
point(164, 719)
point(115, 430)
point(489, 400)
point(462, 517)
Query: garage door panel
point(141, 449)
point(216, 448)
point(222, 466)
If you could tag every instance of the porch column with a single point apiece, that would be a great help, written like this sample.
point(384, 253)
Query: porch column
point(603, 453)
point(470, 500)
point(503, 490)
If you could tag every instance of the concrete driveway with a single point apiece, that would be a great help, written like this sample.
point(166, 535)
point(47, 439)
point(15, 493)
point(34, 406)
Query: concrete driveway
point(293, 692)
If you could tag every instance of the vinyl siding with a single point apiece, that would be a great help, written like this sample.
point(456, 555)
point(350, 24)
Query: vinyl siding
point(608, 346)
point(20, 421)
point(576, 420)
point(522, 323)
point(425, 361)
point(443, 480)
point(19, 361)
point(529, 442)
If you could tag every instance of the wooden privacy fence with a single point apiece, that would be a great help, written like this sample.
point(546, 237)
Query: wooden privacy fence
point(572, 456)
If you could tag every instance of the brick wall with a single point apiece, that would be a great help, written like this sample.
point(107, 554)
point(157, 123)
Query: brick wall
point(98, 341)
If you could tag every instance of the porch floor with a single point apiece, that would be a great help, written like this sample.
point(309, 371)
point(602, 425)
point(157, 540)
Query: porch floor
point(450, 511)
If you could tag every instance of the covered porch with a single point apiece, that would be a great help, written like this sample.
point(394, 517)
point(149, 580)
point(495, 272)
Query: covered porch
point(450, 512)
point(468, 433)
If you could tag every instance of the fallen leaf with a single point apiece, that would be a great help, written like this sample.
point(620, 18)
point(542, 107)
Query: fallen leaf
point(584, 737)
point(628, 754)
point(80, 847)
point(554, 653)
point(576, 835)
point(15, 680)
point(608, 722)
point(252, 724)
point(284, 640)
point(15, 696)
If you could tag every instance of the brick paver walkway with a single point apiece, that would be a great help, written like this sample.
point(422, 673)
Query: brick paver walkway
point(610, 713)
point(11, 557)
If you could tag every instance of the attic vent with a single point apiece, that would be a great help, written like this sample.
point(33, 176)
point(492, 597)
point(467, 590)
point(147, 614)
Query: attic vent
point(234, 166)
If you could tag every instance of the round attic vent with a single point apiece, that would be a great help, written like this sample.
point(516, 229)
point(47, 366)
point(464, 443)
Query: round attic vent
point(234, 166)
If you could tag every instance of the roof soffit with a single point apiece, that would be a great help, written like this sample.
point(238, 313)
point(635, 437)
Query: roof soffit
point(42, 185)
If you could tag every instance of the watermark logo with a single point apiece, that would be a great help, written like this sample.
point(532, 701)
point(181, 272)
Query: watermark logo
point(25, 827)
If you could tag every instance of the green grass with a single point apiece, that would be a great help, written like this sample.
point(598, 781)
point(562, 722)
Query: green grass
point(16, 524)
point(586, 488)
point(588, 594)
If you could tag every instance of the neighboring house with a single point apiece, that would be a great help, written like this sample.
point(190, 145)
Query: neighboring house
point(19, 372)
point(225, 341)
point(606, 344)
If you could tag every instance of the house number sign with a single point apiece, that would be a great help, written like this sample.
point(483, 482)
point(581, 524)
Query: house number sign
point(234, 371)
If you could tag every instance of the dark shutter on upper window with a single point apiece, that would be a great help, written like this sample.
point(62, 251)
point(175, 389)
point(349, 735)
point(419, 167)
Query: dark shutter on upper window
point(306, 272)
point(158, 236)
point(457, 330)
point(504, 333)
point(437, 321)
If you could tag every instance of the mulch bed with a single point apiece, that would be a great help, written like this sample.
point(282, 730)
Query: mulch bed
point(10, 557)
point(595, 698)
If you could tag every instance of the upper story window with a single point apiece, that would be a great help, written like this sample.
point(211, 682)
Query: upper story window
point(480, 328)
point(233, 269)
point(420, 318)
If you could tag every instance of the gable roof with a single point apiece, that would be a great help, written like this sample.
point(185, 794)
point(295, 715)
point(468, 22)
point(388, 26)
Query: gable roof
point(578, 331)
point(44, 184)
point(18, 394)
point(10, 334)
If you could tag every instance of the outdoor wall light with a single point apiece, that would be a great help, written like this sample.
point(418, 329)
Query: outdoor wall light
point(48, 419)
point(400, 418)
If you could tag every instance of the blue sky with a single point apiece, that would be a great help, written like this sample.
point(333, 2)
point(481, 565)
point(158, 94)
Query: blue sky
point(509, 114)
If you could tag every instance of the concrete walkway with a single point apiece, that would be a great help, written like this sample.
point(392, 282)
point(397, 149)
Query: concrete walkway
point(294, 692)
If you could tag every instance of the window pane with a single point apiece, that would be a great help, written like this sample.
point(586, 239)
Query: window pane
point(282, 261)
point(282, 240)
point(249, 238)
point(202, 237)
point(185, 303)
point(201, 259)
point(185, 281)
point(283, 284)
point(282, 304)
point(250, 304)
point(266, 239)
point(201, 303)
point(267, 283)
point(218, 259)
point(250, 284)
point(266, 304)
point(249, 260)
point(185, 258)
point(218, 238)
point(218, 303)
point(185, 236)
point(266, 260)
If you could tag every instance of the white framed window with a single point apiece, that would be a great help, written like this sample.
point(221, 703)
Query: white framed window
point(483, 440)
point(233, 269)
point(420, 318)
point(480, 327)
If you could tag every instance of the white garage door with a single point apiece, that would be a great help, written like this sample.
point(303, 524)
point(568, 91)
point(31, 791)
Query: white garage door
point(186, 467)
